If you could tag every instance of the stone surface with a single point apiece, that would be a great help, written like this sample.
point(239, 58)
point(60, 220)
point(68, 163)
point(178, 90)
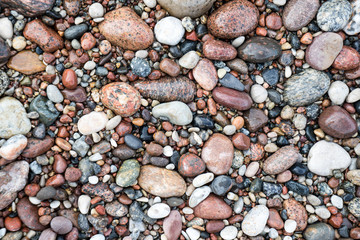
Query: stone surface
point(124, 28)
point(13, 147)
point(161, 182)
point(306, 87)
point(255, 119)
point(7, 30)
point(324, 157)
point(61, 225)
point(190, 165)
point(323, 50)
point(241, 141)
point(4, 52)
point(274, 219)
point(29, 8)
point(338, 92)
point(213, 208)
point(128, 173)
point(333, 15)
point(347, 59)
point(183, 8)
point(219, 50)
point(116, 209)
point(354, 176)
point(169, 31)
point(28, 213)
point(13, 119)
point(319, 231)
point(4, 82)
point(45, 108)
point(177, 112)
point(298, 13)
point(281, 160)
point(259, 50)
point(72, 7)
point(26, 62)
point(353, 26)
point(231, 98)
point(158, 210)
point(354, 207)
point(297, 212)
point(167, 89)
point(172, 225)
point(234, 19)
point(92, 123)
point(255, 220)
point(205, 74)
point(120, 97)
point(69, 79)
point(36, 147)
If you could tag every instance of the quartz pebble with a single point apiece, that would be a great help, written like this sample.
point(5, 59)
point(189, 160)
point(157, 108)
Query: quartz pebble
point(92, 122)
point(338, 92)
point(169, 31)
point(183, 114)
point(255, 220)
point(6, 31)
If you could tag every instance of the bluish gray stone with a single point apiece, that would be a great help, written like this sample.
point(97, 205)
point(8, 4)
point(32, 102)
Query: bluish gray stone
point(45, 108)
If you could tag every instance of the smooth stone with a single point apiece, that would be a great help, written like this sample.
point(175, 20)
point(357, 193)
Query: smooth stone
point(6, 32)
point(324, 157)
point(172, 225)
point(133, 142)
point(281, 160)
point(347, 59)
point(128, 173)
point(319, 231)
point(28, 213)
point(353, 73)
point(124, 28)
point(4, 52)
point(120, 97)
point(241, 141)
point(28, 8)
point(77, 95)
point(161, 182)
point(37, 147)
point(233, 19)
point(230, 81)
point(177, 112)
point(167, 89)
point(199, 195)
point(255, 220)
point(353, 26)
point(101, 190)
point(299, 13)
point(190, 165)
point(323, 50)
point(13, 118)
point(184, 8)
point(354, 176)
point(61, 225)
point(140, 67)
point(255, 119)
point(45, 108)
point(353, 96)
point(214, 226)
point(96, 10)
point(189, 60)
point(271, 76)
point(306, 87)
point(169, 31)
point(238, 65)
point(205, 74)
point(47, 234)
point(92, 123)
point(296, 211)
point(231, 98)
point(259, 50)
point(229, 233)
point(54, 94)
point(123, 152)
point(219, 50)
point(338, 92)
point(26, 62)
point(297, 188)
point(333, 15)
point(221, 185)
point(258, 93)
point(75, 31)
point(274, 219)
point(158, 211)
point(116, 209)
point(84, 202)
point(213, 208)
point(46, 193)
point(13, 178)
point(69, 79)
point(202, 179)
point(192, 233)
point(337, 122)
point(218, 153)
point(4, 82)
point(13, 147)
point(72, 7)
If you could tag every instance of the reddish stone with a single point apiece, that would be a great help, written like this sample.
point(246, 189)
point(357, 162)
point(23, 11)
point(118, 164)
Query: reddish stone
point(274, 220)
point(241, 141)
point(72, 7)
point(28, 214)
point(120, 230)
point(36, 147)
point(297, 212)
point(123, 128)
point(281, 160)
point(255, 119)
point(88, 41)
point(59, 164)
point(12, 224)
point(257, 152)
point(273, 21)
point(191, 165)
point(219, 50)
point(284, 176)
point(47, 234)
point(28, 8)
point(347, 59)
point(355, 233)
point(205, 74)
point(76, 95)
point(353, 74)
point(69, 79)
point(213, 208)
point(336, 220)
point(72, 174)
point(154, 149)
point(55, 181)
point(172, 225)
point(73, 234)
point(101, 189)
point(78, 61)
point(32, 189)
point(231, 98)
point(169, 67)
point(214, 226)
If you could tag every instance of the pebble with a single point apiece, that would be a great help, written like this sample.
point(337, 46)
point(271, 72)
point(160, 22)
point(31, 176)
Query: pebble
point(13, 147)
point(61, 225)
point(259, 50)
point(92, 123)
point(233, 19)
point(213, 208)
point(193, 233)
point(37, 147)
point(116, 209)
point(258, 93)
point(180, 8)
point(183, 113)
point(172, 225)
point(229, 81)
point(191, 165)
point(354, 207)
point(306, 87)
point(189, 60)
point(169, 31)
point(47, 234)
point(96, 10)
point(333, 15)
point(26, 62)
point(296, 211)
point(354, 176)
point(45, 108)
point(169, 67)
point(218, 50)
point(281, 160)
point(205, 74)
point(232, 98)
point(238, 65)
point(221, 185)
point(98, 237)
point(202, 179)
point(4, 52)
point(255, 119)
point(255, 220)
point(229, 232)
point(84, 203)
point(128, 173)
point(290, 226)
point(294, 17)
point(75, 31)
point(337, 201)
point(28, 8)
point(6, 31)
point(338, 92)
point(347, 59)
point(320, 57)
point(199, 195)
point(28, 214)
point(353, 27)
point(54, 94)
point(319, 231)
point(354, 96)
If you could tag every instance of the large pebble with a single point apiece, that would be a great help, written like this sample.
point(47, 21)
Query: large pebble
point(232, 98)
point(324, 157)
point(190, 165)
point(213, 208)
point(255, 119)
point(161, 182)
point(354, 176)
point(183, 8)
point(28, 213)
point(229, 233)
point(296, 211)
point(333, 15)
point(54, 94)
point(219, 50)
point(13, 147)
point(319, 231)
point(189, 60)
point(321, 53)
point(258, 93)
point(169, 30)
point(45, 108)
point(28, 8)
point(172, 225)
point(4, 52)
point(234, 19)
point(26, 62)
point(92, 123)
point(306, 87)
point(36, 147)
point(298, 13)
point(177, 112)
point(128, 173)
point(255, 220)
point(353, 26)
point(259, 50)
point(159, 210)
point(281, 160)
point(205, 74)
point(6, 31)
point(124, 28)
point(199, 195)
point(338, 92)
point(61, 225)
point(116, 209)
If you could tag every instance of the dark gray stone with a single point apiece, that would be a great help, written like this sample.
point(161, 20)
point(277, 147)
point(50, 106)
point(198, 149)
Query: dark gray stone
point(230, 81)
point(46, 109)
point(140, 67)
point(75, 31)
point(318, 231)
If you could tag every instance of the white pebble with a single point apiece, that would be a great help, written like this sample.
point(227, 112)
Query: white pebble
point(159, 210)
point(279, 2)
point(6, 29)
point(203, 179)
point(96, 10)
point(290, 225)
point(93, 180)
point(338, 92)
point(237, 42)
point(168, 151)
point(19, 43)
point(55, 204)
point(258, 93)
point(150, 3)
point(229, 130)
point(288, 72)
point(189, 60)
point(95, 157)
point(169, 31)
point(84, 204)
point(193, 233)
point(98, 237)
point(187, 210)
point(89, 65)
point(229, 233)
point(323, 212)
point(353, 96)
point(337, 201)
point(112, 123)
point(54, 94)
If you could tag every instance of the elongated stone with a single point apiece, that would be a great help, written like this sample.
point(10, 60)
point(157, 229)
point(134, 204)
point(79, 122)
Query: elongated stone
point(26, 62)
point(231, 98)
point(259, 50)
point(28, 8)
point(281, 160)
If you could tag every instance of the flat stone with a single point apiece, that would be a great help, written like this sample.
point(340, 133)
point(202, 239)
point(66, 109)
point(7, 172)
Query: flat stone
point(7, 31)
point(259, 50)
point(28, 8)
point(231, 98)
point(158, 211)
point(229, 233)
point(177, 112)
point(45, 108)
point(72, 7)
point(324, 157)
point(172, 225)
point(183, 8)
point(214, 226)
point(213, 208)
point(255, 220)
point(281, 160)
point(167, 89)
point(221, 185)
point(319, 231)
point(219, 50)
point(333, 15)
point(353, 26)
point(274, 220)
point(128, 173)
point(13, 147)
point(124, 28)
point(26, 62)
point(306, 87)
point(161, 182)
point(205, 74)
point(37, 147)
point(299, 13)
point(4, 52)
point(233, 19)
point(255, 119)
point(28, 213)
point(76, 31)
point(92, 123)
point(238, 65)
point(101, 189)
point(230, 81)
point(77, 95)
point(61, 225)
point(199, 195)
point(296, 211)
point(323, 50)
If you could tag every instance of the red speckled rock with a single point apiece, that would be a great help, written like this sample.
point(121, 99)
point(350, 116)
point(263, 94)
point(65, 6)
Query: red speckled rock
point(36, 147)
point(124, 28)
point(191, 165)
point(172, 225)
point(347, 59)
point(48, 40)
point(337, 122)
point(120, 97)
point(205, 74)
point(72, 174)
point(76, 95)
point(28, 214)
point(355, 233)
point(28, 8)
point(353, 73)
point(88, 41)
point(219, 50)
point(101, 189)
point(231, 98)
point(213, 208)
point(241, 141)
point(298, 13)
point(273, 21)
point(257, 152)
point(233, 19)
point(281, 160)
point(218, 153)
point(72, 7)
point(297, 212)
point(69, 79)
point(274, 219)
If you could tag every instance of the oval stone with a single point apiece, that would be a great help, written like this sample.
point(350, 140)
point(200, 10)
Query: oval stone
point(219, 50)
point(205, 74)
point(353, 26)
point(124, 28)
point(213, 208)
point(319, 231)
point(177, 112)
point(161, 182)
point(167, 89)
point(92, 123)
point(183, 8)
point(28, 8)
point(218, 153)
point(298, 13)
point(233, 19)
point(337, 122)
point(28, 213)
point(322, 52)
point(333, 15)
point(128, 173)
point(191, 165)
point(281, 160)
point(26, 62)
point(231, 98)
point(120, 97)
point(296, 211)
point(347, 59)
point(172, 225)
point(306, 87)
point(4, 52)
point(255, 220)
point(259, 50)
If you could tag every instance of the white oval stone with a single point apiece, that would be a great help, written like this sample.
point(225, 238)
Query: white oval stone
point(255, 221)
point(258, 93)
point(98, 237)
point(353, 96)
point(337, 201)
point(199, 195)
point(189, 60)
point(92, 122)
point(252, 169)
point(84, 204)
point(6, 29)
point(169, 31)
point(324, 157)
point(13, 147)
point(54, 94)
point(193, 233)
point(229, 233)
point(112, 123)
point(96, 10)
point(150, 3)
point(159, 210)
point(203, 179)
point(338, 92)
point(177, 112)
point(290, 225)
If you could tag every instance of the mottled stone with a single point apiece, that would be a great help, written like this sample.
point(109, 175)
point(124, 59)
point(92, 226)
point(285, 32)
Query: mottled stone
point(233, 19)
point(101, 189)
point(123, 152)
point(183, 8)
point(26, 62)
point(191, 165)
point(238, 65)
point(354, 207)
point(120, 97)
point(219, 50)
point(231, 98)
point(36, 147)
point(213, 208)
point(4, 52)
point(124, 28)
point(45, 108)
point(306, 87)
point(172, 225)
point(319, 231)
point(333, 15)
point(205, 74)
point(274, 219)
point(28, 8)
point(128, 173)
point(259, 50)
point(281, 160)
point(13, 147)
point(296, 211)
point(167, 89)
point(353, 26)
point(161, 182)
point(72, 7)
point(255, 119)
point(347, 59)
point(28, 214)
point(4, 82)
point(77, 95)
point(116, 209)
point(354, 176)
point(299, 13)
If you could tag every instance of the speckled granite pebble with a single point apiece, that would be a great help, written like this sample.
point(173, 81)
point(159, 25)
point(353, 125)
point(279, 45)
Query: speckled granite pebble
point(333, 15)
